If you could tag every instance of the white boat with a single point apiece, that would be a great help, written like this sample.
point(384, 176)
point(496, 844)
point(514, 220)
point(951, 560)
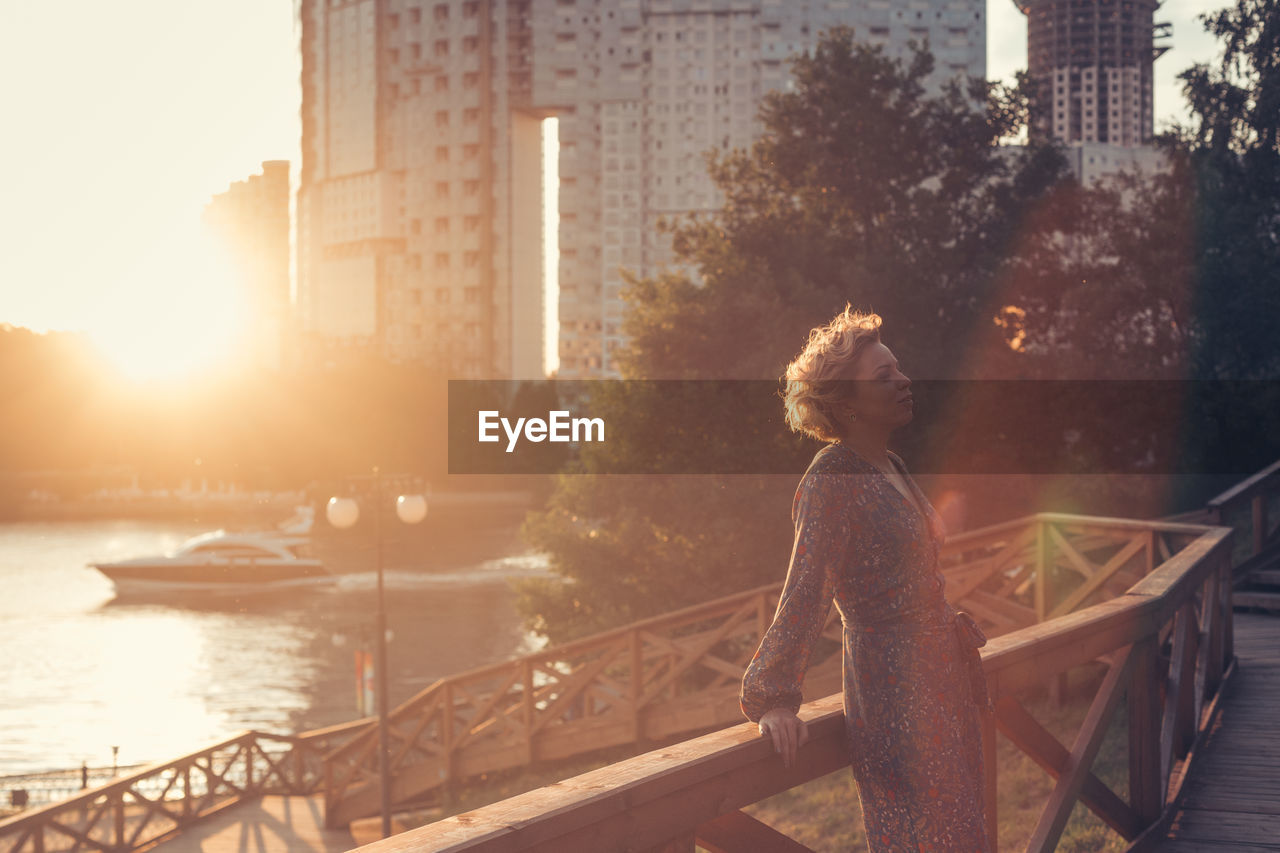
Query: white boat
point(231, 562)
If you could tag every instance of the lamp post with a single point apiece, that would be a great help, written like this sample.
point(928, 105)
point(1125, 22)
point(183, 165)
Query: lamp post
point(343, 513)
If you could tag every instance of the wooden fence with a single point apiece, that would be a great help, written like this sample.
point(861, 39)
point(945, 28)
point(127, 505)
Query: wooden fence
point(1166, 640)
point(680, 673)
point(156, 802)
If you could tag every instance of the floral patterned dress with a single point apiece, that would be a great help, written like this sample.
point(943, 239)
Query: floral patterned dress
point(914, 730)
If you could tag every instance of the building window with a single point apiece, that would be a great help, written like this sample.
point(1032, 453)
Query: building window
point(470, 187)
point(470, 44)
point(470, 152)
point(394, 20)
point(472, 295)
point(442, 295)
point(442, 189)
point(470, 79)
point(415, 226)
point(395, 56)
point(471, 223)
point(415, 51)
point(442, 153)
point(471, 260)
point(442, 225)
point(442, 48)
point(415, 15)
point(470, 9)
point(441, 12)
point(442, 82)
point(442, 260)
point(471, 115)
point(442, 118)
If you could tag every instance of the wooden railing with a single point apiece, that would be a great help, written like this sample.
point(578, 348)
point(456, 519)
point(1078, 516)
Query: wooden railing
point(680, 673)
point(1165, 639)
point(156, 802)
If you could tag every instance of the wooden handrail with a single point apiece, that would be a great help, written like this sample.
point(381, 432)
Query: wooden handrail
point(154, 803)
point(679, 673)
point(1248, 487)
point(659, 801)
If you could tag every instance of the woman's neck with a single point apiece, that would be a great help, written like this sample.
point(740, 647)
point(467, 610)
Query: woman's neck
point(872, 447)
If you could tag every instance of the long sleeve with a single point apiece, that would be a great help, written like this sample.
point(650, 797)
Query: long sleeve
point(821, 513)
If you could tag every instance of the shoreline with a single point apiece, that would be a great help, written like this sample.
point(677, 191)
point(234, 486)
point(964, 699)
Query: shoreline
point(224, 510)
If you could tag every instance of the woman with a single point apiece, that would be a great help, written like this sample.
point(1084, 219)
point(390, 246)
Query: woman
point(867, 537)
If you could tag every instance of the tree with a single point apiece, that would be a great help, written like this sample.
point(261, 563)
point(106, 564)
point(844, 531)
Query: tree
point(1229, 156)
point(863, 188)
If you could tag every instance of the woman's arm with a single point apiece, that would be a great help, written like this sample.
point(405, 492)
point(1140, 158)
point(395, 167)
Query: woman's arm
point(772, 682)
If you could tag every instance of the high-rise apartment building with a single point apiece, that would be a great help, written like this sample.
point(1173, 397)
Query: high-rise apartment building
point(251, 221)
point(1091, 64)
point(419, 214)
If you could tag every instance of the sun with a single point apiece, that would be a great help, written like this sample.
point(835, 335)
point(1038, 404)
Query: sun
point(178, 312)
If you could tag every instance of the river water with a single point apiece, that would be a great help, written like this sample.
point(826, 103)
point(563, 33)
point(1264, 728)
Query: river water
point(82, 671)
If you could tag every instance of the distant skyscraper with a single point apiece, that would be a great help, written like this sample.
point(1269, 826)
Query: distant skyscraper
point(419, 213)
point(1091, 63)
point(251, 221)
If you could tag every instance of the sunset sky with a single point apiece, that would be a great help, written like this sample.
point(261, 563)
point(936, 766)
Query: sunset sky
point(123, 119)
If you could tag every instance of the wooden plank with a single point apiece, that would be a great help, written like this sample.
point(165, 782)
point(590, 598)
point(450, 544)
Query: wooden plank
point(739, 832)
point(1074, 558)
point(648, 796)
point(1269, 601)
point(1101, 576)
point(1146, 796)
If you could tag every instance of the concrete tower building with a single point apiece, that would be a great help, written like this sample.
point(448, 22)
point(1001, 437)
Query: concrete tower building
point(251, 221)
point(419, 212)
point(1091, 65)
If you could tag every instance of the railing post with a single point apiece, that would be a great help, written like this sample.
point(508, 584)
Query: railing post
point(446, 730)
point(1259, 521)
point(637, 685)
point(1145, 796)
point(250, 741)
point(527, 708)
point(118, 808)
point(1042, 570)
point(1226, 576)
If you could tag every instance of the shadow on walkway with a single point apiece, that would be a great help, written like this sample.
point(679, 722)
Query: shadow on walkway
point(268, 825)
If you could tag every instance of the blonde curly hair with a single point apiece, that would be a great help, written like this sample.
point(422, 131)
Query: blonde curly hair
point(817, 378)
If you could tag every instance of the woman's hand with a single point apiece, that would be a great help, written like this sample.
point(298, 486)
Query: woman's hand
point(788, 731)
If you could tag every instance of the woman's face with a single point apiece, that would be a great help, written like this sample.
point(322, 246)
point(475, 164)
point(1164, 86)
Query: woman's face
point(882, 392)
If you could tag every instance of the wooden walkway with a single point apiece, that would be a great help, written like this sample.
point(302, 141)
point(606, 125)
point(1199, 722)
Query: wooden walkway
point(271, 824)
point(1231, 800)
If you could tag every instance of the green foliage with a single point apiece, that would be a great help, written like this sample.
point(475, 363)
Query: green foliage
point(862, 188)
point(1229, 157)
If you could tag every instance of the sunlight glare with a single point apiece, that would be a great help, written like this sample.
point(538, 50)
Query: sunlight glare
point(181, 311)
point(551, 242)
